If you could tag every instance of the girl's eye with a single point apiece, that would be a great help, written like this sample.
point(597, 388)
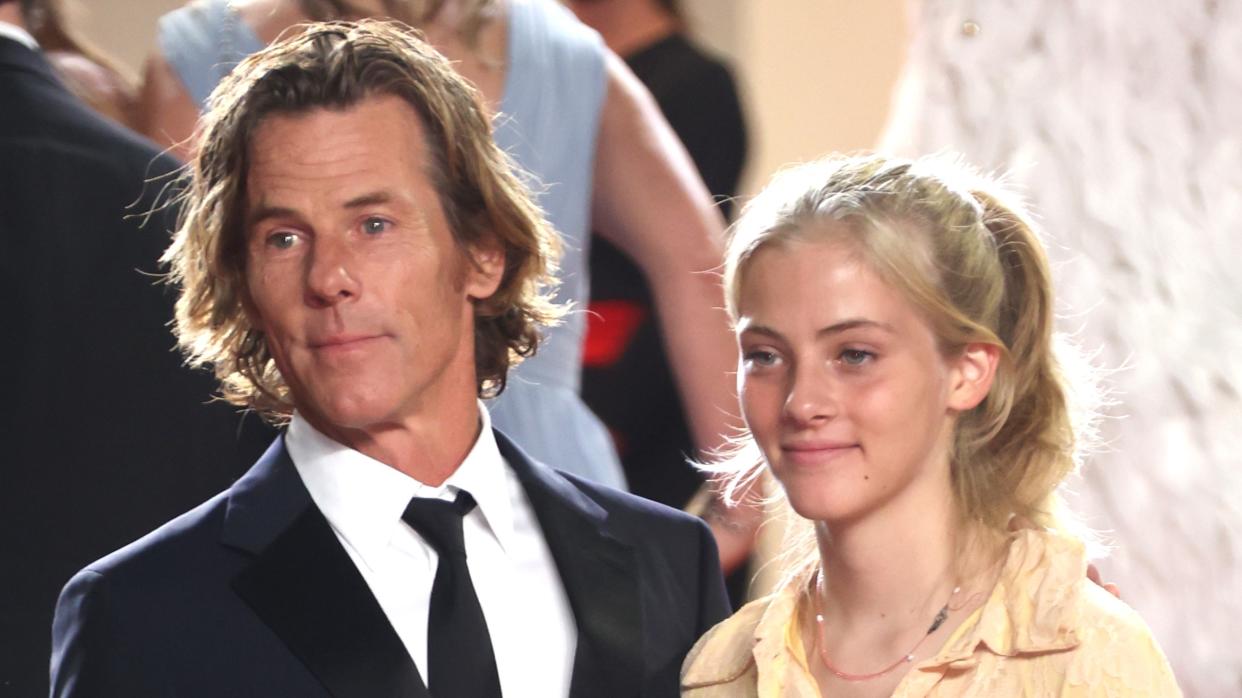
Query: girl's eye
point(374, 226)
point(282, 240)
point(760, 358)
point(855, 357)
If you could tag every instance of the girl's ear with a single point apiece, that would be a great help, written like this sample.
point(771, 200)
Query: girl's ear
point(972, 374)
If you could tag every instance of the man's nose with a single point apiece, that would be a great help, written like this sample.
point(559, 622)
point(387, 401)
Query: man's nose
point(332, 275)
point(813, 396)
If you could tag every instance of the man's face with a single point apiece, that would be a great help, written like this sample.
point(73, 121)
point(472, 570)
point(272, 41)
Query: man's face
point(352, 272)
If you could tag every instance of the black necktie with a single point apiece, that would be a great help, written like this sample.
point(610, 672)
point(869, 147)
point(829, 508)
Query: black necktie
point(459, 649)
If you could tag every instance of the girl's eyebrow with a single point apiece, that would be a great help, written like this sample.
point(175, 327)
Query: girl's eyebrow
point(835, 328)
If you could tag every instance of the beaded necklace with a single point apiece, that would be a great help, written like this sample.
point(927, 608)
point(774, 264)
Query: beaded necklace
point(941, 616)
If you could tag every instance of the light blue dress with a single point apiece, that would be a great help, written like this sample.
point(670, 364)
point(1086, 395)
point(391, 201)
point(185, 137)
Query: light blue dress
point(548, 123)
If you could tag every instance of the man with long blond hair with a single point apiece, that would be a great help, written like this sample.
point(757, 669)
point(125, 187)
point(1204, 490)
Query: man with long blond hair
point(358, 260)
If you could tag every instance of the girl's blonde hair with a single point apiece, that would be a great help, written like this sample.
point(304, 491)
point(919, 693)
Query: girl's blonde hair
point(965, 253)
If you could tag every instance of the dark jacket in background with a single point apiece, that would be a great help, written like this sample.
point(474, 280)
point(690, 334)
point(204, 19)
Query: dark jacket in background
point(104, 435)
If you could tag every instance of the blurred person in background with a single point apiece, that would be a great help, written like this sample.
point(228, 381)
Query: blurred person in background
point(574, 116)
point(105, 433)
point(626, 378)
point(103, 83)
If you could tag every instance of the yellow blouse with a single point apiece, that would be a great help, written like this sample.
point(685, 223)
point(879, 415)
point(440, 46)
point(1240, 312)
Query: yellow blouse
point(1044, 631)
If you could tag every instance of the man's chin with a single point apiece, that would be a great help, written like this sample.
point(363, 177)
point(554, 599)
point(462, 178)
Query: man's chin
point(349, 419)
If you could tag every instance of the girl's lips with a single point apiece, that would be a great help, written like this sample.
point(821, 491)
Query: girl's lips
point(816, 453)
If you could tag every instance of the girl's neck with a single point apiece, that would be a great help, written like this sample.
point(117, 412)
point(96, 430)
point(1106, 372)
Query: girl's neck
point(898, 563)
point(892, 589)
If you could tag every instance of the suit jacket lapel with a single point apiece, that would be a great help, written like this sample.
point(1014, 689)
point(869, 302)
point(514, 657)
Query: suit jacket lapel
point(600, 576)
point(305, 587)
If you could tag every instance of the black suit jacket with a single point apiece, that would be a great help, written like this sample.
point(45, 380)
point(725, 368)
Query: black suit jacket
point(105, 435)
point(251, 594)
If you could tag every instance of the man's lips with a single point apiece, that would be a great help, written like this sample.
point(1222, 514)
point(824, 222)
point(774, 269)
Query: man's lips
point(342, 341)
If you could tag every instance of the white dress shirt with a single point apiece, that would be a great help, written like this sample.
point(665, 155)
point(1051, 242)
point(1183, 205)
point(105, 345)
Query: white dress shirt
point(528, 614)
point(21, 36)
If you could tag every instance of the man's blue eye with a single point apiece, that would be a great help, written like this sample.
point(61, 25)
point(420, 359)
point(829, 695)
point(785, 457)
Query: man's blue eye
point(371, 226)
point(282, 241)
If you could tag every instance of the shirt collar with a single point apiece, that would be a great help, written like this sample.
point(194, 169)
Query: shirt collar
point(21, 36)
point(363, 499)
point(485, 475)
point(1034, 606)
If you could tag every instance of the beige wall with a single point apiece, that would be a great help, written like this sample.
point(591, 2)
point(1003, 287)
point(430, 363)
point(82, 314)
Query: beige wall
point(125, 29)
point(816, 74)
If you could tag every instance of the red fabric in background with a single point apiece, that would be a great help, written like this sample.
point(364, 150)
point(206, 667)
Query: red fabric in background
point(610, 329)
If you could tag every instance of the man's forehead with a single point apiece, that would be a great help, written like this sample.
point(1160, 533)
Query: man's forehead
point(370, 152)
point(383, 124)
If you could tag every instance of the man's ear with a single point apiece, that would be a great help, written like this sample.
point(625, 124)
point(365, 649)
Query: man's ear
point(487, 268)
point(972, 374)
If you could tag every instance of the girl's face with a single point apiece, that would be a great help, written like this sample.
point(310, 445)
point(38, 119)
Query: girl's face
point(842, 383)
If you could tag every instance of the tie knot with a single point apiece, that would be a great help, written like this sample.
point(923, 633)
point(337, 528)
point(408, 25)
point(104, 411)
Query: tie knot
point(439, 522)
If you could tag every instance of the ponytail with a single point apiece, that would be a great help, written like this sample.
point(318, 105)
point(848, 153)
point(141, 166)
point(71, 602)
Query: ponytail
point(1015, 448)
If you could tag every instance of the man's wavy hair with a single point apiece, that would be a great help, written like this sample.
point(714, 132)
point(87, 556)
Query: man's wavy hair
point(336, 66)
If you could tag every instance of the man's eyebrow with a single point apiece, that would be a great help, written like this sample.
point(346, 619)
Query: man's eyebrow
point(369, 199)
point(263, 213)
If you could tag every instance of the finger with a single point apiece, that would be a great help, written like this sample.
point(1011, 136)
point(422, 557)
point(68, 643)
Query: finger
point(1093, 573)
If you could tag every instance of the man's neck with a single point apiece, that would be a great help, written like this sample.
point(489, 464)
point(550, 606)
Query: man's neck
point(11, 13)
point(429, 448)
point(12, 27)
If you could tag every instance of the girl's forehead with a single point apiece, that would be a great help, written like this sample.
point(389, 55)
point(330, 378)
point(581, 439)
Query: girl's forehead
point(814, 279)
point(806, 260)
point(803, 288)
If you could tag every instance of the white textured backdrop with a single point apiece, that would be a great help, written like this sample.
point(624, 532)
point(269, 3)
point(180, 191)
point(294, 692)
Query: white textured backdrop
point(1121, 120)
